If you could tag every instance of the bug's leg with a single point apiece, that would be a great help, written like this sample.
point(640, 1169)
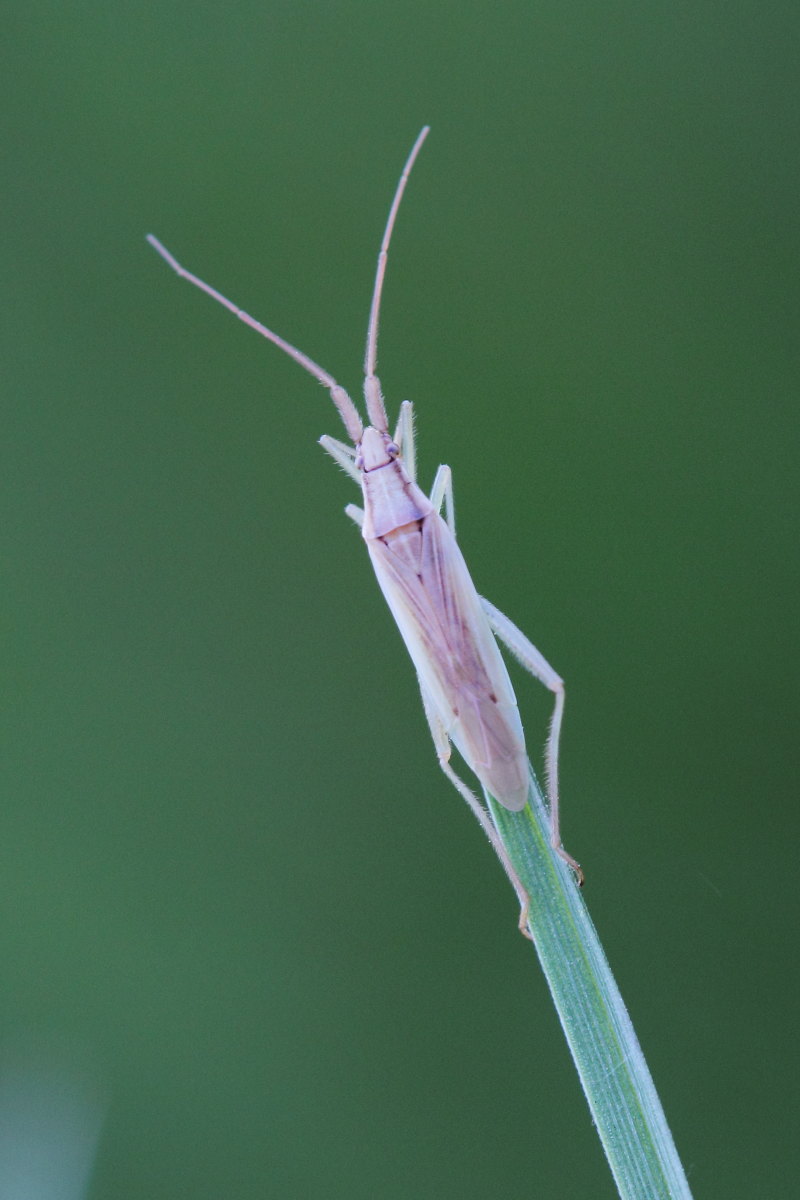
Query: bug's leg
point(535, 662)
point(343, 454)
point(404, 439)
point(442, 494)
point(441, 744)
point(355, 514)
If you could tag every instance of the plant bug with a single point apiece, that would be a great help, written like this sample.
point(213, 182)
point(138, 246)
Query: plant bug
point(449, 630)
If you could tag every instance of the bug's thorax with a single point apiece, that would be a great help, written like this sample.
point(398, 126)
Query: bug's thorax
point(391, 499)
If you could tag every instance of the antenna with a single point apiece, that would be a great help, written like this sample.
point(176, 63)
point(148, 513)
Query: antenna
point(376, 410)
point(347, 409)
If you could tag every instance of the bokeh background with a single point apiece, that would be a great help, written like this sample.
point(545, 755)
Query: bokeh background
point(246, 929)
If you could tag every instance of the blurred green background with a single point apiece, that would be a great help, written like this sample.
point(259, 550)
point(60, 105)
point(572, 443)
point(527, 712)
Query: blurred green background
point(242, 913)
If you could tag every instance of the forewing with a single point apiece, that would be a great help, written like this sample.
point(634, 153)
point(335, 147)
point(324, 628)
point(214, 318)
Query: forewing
point(428, 588)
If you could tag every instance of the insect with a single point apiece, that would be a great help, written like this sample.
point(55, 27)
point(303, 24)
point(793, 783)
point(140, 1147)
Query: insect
point(449, 630)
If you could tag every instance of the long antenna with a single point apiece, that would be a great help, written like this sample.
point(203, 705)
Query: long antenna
point(347, 409)
point(376, 410)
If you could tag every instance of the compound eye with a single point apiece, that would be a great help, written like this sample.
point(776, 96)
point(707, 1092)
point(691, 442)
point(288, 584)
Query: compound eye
point(359, 461)
point(392, 449)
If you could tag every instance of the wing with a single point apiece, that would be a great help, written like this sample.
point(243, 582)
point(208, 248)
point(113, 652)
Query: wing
point(428, 588)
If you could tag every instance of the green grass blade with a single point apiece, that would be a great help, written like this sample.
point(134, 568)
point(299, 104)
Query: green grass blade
point(612, 1070)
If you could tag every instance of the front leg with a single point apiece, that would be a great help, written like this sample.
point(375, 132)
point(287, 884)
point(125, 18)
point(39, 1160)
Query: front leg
point(343, 454)
point(355, 514)
point(442, 495)
point(405, 440)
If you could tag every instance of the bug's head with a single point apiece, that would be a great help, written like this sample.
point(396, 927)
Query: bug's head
point(376, 449)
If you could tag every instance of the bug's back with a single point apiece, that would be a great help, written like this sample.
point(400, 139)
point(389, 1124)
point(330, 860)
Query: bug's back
point(430, 592)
